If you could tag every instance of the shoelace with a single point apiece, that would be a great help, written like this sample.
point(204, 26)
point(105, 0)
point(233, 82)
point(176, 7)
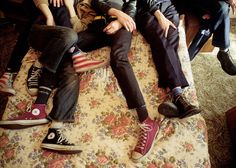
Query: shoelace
point(143, 135)
point(62, 139)
point(182, 101)
point(33, 79)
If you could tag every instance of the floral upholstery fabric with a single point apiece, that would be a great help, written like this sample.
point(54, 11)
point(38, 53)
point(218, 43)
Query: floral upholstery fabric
point(104, 127)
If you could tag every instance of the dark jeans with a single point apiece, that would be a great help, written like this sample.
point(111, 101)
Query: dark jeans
point(22, 46)
point(67, 93)
point(53, 42)
point(120, 42)
point(220, 24)
point(164, 50)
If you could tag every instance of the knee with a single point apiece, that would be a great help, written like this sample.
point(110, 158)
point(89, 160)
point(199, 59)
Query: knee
point(70, 36)
point(119, 61)
point(223, 8)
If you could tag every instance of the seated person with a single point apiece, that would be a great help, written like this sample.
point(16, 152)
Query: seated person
point(19, 51)
point(116, 32)
point(158, 23)
point(214, 19)
point(56, 44)
point(66, 95)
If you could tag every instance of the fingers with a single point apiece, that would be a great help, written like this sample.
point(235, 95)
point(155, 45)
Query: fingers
point(166, 31)
point(130, 25)
point(107, 28)
point(173, 25)
point(57, 3)
point(62, 2)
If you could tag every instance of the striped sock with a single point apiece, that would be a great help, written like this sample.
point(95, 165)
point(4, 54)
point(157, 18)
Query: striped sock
point(82, 63)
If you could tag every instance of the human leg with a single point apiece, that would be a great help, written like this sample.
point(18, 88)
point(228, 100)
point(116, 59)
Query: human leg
point(36, 115)
point(67, 38)
point(166, 59)
point(124, 74)
point(80, 59)
point(53, 42)
point(64, 106)
point(19, 51)
point(221, 38)
point(203, 34)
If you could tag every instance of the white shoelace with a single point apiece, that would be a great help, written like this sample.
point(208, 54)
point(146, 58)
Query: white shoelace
point(62, 139)
point(143, 135)
point(33, 79)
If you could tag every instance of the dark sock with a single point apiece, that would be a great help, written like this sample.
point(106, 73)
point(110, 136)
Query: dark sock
point(142, 113)
point(43, 95)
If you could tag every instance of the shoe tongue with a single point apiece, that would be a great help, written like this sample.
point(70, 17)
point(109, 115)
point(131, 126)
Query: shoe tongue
point(146, 121)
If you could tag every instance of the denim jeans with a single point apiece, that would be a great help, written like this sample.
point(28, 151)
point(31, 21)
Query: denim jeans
point(67, 93)
point(53, 42)
point(164, 50)
point(221, 25)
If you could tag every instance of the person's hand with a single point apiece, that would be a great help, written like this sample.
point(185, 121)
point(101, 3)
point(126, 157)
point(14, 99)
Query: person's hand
point(164, 22)
point(69, 3)
point(233, 5)
point(50, 22)
point(124, 19)
point(56, 3)
point(112, 27)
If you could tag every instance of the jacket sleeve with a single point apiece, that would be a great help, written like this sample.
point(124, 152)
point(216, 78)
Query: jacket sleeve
point(103, 6)
point(130, 8)
point(151, 5)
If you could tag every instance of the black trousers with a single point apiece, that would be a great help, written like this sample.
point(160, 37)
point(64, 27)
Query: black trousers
point(164, 50)
point(120, 42)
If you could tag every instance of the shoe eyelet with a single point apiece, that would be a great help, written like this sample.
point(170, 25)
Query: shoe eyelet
point(35, 112)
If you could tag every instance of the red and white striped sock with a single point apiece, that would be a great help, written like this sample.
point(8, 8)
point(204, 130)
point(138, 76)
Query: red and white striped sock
point(82, 63)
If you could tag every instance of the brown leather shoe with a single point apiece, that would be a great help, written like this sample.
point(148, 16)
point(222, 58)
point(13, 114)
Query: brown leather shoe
point(185, 108)
point(227, 62)
point(180, 108)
